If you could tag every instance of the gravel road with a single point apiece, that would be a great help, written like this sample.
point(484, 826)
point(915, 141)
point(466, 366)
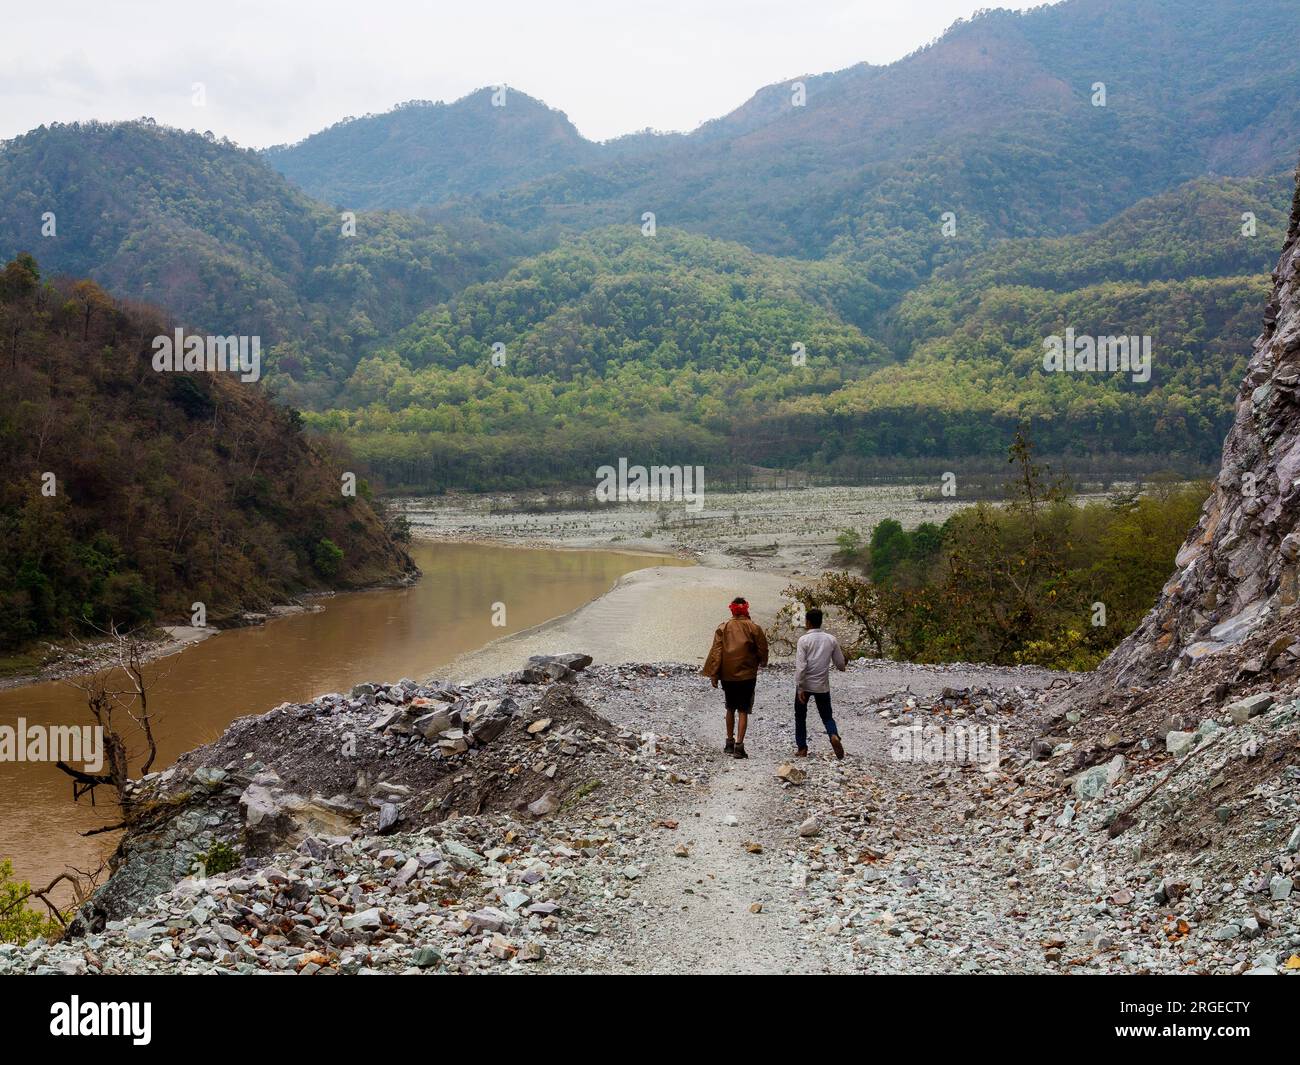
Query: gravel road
point(735, 903)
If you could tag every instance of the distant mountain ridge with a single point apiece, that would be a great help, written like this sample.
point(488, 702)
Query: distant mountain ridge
point(994, 121)
point(927, 222)
point(208, 232)
point(422, 152)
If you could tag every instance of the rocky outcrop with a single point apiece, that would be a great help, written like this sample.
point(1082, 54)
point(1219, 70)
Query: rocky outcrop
point(384, 758)
point(1239, 569)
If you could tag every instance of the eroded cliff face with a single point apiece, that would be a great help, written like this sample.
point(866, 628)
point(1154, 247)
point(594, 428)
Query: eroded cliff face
point(1238, 569)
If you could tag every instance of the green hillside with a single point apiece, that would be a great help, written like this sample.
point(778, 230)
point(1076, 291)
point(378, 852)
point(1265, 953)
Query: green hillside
point(678, 348)
point(776, 225)
point(423, 153)
point(127, 495)
point(208, 231)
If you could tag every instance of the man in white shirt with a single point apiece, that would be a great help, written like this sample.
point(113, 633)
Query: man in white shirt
point(817, 651)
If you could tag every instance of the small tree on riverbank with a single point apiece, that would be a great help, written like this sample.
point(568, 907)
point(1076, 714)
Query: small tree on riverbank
point(19, 922)
point(115, 697)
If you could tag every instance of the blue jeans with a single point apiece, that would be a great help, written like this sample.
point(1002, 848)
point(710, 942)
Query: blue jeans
point(823, 700)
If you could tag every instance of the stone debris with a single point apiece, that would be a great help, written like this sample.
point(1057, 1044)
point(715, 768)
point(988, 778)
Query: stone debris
point(873, 864)
point(356, 884)
point(399, 903)
point(975, 873)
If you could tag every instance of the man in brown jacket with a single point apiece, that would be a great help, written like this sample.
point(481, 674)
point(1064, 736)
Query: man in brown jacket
point(739, 648)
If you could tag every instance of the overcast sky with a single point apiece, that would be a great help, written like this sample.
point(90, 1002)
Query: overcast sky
point(277, 70)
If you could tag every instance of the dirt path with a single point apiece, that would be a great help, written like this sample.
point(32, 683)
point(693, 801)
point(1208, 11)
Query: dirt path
point(695, 914)
point(696, 911)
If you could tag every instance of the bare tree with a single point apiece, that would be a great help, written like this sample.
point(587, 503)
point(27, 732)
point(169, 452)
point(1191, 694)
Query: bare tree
point(115, 697)
point(82, 884)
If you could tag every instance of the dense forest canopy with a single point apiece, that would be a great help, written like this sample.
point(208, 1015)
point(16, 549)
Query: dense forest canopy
point(128, 495)
point(475, 296)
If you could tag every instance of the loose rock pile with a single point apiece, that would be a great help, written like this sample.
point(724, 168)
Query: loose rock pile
point(582, 824)
point(473, 894)
point(382, 760)
point(1145, 863)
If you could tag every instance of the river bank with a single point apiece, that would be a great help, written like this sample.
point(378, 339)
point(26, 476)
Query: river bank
point(196, 693)
point(785, 530)
point(653, 614)
point(752, 543)
point(71, 658)
point(64, 660)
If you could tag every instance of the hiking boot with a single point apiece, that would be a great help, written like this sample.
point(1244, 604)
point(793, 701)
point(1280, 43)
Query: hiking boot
point(730, 747)
point(838, 746)
point(802, 752)
point(740, 751)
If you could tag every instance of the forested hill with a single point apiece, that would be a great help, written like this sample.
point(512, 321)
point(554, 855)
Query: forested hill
point(423, 152)
point(207, 230)
point(995, 121)
point(683, 344)
point(127, 494)
point(918, 228)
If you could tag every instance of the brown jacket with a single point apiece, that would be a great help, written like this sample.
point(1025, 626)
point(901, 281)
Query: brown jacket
point(739, 648)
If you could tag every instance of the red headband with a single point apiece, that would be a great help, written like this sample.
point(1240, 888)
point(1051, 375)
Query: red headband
point(739, 610)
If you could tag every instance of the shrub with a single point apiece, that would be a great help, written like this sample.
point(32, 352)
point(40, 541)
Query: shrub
point(327, 558)
point(18, 923)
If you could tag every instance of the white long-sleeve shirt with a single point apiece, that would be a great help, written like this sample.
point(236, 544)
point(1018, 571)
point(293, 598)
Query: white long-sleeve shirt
point(816, 652)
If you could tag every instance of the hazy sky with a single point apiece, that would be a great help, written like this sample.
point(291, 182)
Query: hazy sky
point(276, 70)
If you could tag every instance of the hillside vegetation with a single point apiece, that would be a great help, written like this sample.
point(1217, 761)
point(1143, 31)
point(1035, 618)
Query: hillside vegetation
point(127, 495)
point(919, 228)
point(680, 348)
point(208, 231)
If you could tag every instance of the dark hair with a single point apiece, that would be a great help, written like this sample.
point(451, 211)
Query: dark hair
point(740, 600)
point(813, 618)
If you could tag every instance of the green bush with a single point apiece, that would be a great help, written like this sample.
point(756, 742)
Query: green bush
point(18, 923)
point(219, 858)
point(327, 558)
point(1043, 579)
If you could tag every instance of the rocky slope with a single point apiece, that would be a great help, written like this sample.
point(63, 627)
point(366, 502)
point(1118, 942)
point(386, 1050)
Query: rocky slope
point(602, 830)
point(1237, 571)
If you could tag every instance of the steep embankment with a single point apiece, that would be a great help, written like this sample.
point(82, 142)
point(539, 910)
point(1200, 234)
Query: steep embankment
point(127, 495)
point(1237, 571)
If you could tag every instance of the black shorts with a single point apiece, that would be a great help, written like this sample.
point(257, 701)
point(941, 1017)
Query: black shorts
point(739, 695)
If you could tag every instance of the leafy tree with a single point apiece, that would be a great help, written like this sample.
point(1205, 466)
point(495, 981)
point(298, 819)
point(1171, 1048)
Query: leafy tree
point(1015, 583)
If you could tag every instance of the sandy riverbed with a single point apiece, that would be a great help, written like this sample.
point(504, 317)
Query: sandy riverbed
point(651, 615)
point(789, 530)
point(753, 544)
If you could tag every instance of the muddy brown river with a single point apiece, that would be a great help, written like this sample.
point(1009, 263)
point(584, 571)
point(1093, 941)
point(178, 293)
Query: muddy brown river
point(376, 635)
